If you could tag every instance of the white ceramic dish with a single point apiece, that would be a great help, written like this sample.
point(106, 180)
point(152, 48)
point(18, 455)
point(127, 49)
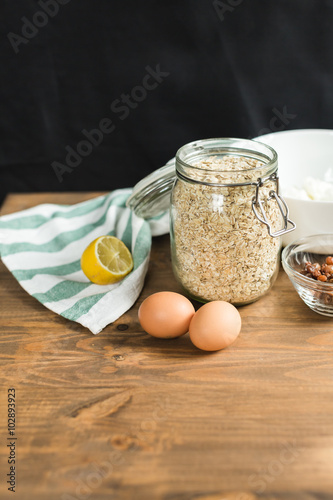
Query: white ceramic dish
point(303, 153)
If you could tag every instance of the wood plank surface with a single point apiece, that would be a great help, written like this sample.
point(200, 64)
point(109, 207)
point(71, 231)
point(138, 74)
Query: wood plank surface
point(122, 415)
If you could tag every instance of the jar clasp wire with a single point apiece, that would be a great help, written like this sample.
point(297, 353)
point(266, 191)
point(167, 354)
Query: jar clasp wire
point(289, 225)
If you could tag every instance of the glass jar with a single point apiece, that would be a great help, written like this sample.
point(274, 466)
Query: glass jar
point(226, 220)
point(226, 217)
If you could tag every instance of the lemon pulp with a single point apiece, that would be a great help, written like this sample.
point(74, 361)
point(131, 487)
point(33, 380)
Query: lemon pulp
point(106, 260)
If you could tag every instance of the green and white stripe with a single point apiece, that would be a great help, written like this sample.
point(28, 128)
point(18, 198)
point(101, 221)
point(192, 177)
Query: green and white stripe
point(42, 247)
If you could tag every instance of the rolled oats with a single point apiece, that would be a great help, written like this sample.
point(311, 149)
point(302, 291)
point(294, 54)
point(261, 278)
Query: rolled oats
point(221, 251)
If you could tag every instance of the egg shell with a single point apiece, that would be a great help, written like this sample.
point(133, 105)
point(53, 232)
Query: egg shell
point(166, 314)
point(215, 326)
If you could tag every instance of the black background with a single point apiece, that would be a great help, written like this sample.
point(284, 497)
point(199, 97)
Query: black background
point(234, 66)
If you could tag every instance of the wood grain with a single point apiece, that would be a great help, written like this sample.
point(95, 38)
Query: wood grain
point(122, 415)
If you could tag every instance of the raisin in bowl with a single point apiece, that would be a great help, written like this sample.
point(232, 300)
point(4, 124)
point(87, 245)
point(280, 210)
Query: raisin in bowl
point(308, 263)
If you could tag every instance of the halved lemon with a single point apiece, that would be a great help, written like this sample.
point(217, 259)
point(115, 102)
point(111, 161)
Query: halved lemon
point(106, 260)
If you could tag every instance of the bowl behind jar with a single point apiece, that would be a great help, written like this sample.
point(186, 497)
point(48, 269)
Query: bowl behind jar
point(303, 153)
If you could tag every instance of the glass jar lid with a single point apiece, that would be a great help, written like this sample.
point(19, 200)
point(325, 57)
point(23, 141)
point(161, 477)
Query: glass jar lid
point(151, 196)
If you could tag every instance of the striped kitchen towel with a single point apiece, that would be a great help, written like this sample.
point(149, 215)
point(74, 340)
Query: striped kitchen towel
point(42, 248)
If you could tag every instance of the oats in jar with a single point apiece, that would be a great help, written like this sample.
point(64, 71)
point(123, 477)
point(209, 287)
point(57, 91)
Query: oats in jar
point(220, 250)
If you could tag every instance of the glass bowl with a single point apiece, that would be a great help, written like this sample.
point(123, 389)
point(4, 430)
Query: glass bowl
point(316, 294)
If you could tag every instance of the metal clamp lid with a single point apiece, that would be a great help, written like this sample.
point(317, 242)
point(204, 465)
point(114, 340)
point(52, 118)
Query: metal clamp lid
point(283, 207)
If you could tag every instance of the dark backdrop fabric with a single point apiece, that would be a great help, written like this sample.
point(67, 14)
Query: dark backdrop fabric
point(230, 68)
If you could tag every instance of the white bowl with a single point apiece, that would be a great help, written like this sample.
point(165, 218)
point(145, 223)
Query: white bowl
point(303, 153)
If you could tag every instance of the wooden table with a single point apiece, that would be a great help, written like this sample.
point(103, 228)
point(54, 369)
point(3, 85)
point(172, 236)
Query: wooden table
point(122, 415)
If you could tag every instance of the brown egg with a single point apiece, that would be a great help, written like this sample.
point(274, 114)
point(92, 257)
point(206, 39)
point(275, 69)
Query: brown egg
point(166, 314)
point(215, 326)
